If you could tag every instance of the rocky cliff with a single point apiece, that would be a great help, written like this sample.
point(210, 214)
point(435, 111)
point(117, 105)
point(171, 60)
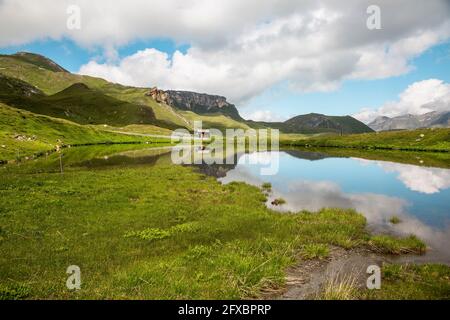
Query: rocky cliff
point(196, 102)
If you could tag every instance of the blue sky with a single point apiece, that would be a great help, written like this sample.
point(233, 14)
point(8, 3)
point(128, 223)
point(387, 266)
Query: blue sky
point(349, 98)
point(273, 61)
point(356, 94)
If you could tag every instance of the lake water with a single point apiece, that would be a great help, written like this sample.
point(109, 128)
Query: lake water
point(417, 194)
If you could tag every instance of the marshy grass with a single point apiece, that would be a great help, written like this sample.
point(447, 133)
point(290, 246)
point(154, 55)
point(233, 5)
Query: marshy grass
point(340, 288)
point(395, 220)
point(412, 282)
point(315, 251)
point(188, 236)
point(278, 202)
point(390, 245)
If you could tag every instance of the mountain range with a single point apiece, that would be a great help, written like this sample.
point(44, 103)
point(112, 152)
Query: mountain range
point(319, 123)
point(37, 84)
point(409, 121)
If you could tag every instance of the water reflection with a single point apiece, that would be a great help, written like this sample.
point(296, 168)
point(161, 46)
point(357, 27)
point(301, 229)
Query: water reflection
point(378, 189)
point(420, 179)
point(308, 181)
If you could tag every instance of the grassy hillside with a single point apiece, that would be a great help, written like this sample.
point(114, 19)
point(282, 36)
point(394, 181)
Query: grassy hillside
point(51, 82)
point(37, 60)
point(163, 112)
point(77, 103)
point(421, 139)
point(217, 121)
point(315, 123)
point(23, 133)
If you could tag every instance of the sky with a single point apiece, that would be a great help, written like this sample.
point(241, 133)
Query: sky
point(272, 59)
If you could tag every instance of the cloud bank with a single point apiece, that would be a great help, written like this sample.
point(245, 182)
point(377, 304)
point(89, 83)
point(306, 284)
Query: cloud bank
point(419, 98)
point(238, 48)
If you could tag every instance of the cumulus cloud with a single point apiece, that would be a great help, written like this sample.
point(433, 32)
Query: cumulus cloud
point(264, 115)
point(420, 179)
point(419, 98)
point(239, 48)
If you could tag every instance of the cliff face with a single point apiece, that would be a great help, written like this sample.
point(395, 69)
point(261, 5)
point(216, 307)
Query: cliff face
point(197, 102)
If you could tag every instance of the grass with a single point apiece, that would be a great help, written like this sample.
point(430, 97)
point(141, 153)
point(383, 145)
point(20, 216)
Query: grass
point(315, 251)
point(408, 140)
point(395, 220)
point(23, 134)
point(217, 121)
point(278, 202)
point(389, 245)
point(425, 159)
point(412, 282)
point(160, 232)
point(138, 129)
point(340, 288)
point(398, 282)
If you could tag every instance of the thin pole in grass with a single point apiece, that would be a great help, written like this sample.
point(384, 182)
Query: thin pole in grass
point(60, 163)
point(58, 149)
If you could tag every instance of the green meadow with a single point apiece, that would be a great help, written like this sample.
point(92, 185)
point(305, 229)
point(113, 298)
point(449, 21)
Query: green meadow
point(432, 139)
point(156, 231)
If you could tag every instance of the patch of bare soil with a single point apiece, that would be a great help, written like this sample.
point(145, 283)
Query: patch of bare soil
point(306, 279)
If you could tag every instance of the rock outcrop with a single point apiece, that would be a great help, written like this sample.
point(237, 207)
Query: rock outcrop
point(158, 95)
point(196, 102)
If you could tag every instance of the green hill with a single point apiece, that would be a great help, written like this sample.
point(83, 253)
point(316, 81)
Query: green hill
point(23, 133)
point(432, 139)
point(51, 82)
point(77, 103)
point(316, 123)
point(37, 60)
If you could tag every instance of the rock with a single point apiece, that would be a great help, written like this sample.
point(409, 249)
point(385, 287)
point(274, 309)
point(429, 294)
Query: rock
point(158, 95)
point(197, 102)
point(202, 103)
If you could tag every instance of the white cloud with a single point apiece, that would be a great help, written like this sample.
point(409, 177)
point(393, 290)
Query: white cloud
point(419, 98)
point(420, 179)
point(264, 115)
point(239, 48)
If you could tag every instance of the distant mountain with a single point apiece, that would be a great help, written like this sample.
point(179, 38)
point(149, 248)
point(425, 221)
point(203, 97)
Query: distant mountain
point(199, 103)
point(318, 123)
point(409, 121)
point(37, 60)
